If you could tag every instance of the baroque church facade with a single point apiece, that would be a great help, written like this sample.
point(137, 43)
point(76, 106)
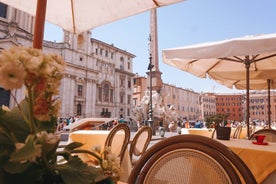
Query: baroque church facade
point(98, 79)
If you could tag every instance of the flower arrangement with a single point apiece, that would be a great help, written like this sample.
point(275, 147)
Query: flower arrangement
point(28, 141)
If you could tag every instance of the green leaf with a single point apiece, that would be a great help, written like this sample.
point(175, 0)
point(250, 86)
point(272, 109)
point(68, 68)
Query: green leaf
point(16, 167)
point(13, 123)
point(75, 171)
point(49, 150)
point(72, 146)
point(27, 152)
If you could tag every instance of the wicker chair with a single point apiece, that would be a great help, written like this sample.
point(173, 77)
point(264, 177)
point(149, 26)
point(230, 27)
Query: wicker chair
point(118, 129)
point(190, 159)
point(237, 133)
point(139, 143)
point(269, 133)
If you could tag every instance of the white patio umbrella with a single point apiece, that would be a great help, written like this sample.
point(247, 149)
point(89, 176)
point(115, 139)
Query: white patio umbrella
point(249, 58)
point(81, 15)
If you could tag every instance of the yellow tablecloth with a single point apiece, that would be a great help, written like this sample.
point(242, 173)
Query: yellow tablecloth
point(197, 131)
point(208, 132)
point(261, 159)
point(94, 137)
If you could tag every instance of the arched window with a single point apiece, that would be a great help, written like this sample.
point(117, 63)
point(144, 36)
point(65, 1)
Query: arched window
point(105, 93)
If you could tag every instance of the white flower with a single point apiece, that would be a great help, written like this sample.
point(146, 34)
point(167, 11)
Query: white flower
point(5, 108)
point(12, 75)
point(96, 148)
point(49, 138)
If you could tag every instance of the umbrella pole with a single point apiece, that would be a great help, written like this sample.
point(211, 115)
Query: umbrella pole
point(268, 107)
point(39, 23)
point(247, 66)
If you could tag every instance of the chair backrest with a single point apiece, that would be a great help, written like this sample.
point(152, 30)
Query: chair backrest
point(190, 159)
point(118, 139)
point(269, 133)
point(237, 132)
point(213, 133)
point(139, 143)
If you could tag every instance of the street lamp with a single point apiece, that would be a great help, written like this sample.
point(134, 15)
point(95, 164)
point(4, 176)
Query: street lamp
point(150, 119)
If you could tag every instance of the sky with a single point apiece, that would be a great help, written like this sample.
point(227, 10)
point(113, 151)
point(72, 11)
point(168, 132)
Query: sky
point(182, 24)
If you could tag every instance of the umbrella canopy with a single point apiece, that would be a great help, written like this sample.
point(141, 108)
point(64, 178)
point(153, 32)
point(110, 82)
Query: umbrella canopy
point(81, 15)
point(232, 62)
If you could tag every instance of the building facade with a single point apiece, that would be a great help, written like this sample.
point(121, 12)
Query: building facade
point(98, 79)
point(231, 105)
point(258, 106)
point(207, 105)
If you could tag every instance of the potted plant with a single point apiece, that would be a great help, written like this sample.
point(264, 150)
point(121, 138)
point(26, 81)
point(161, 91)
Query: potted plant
point(28, 139)
point(219, 123)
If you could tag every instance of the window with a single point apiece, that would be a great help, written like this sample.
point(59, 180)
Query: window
point(128, 99)
point(121, 80)
point(106, 93)
point(79, 90)
point(78, 109)
point(128, 65)
point(106, 53)
point(122, 63)
point(129, 83)
point(122, 97)
point(3, 10)
point(100, 94)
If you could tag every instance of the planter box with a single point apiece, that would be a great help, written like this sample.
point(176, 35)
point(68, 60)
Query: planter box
point(223, 133)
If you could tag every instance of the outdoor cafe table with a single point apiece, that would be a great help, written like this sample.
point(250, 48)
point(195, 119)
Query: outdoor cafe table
point(91, 138)
point(208, 132)
point(260, 159)
point(197, 131)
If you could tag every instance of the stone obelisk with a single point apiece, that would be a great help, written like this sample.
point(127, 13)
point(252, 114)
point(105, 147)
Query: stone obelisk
point(153, 49)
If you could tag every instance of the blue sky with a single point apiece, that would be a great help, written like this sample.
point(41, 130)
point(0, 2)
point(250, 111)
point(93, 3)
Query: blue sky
point(182, 24)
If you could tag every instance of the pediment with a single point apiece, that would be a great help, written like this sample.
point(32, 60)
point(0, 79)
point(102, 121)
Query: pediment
point(7, 43)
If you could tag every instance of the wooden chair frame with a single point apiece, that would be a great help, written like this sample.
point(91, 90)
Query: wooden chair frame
point(113, 132)
point(232, 164)
point(237, 133)
point(132, 149)
point(264, 132)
